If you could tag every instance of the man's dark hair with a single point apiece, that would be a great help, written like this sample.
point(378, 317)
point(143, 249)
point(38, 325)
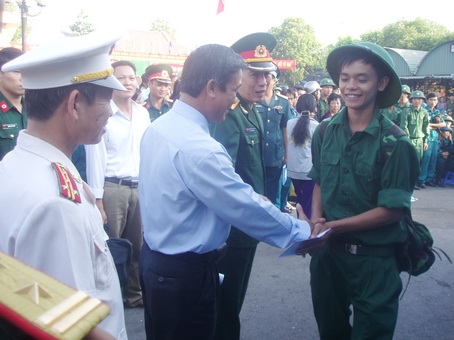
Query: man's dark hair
point(124, 63)
point(9, 53)
point(431, 95)
point(41, 104)
point(208, 62)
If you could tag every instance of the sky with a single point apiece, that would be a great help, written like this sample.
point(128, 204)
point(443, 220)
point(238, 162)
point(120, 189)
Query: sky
point(196, 22)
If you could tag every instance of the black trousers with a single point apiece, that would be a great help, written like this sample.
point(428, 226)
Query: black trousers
point(180, 294)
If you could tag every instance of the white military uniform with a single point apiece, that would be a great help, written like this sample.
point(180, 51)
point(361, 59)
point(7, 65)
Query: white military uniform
point(53, 233)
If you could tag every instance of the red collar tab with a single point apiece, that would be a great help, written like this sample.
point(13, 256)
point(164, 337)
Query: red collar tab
point(4, 106)
point(67, 185)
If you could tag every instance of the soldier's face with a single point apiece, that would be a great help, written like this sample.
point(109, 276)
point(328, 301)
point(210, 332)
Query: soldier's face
point(254, 85)
point(158, 89)
point(11, 83)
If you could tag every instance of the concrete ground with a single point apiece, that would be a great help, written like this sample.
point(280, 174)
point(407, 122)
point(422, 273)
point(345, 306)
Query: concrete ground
point(278, 303)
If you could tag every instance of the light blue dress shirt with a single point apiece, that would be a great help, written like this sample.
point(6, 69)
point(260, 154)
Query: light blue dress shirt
point(190, 193)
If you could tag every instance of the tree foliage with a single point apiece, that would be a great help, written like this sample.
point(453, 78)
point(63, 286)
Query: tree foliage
point(296, 40)
point(164, 26)
point(82, 25)
point(419, 34)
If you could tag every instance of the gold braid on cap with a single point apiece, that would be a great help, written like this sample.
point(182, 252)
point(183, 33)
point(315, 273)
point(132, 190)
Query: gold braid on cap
point(92, 76)
point(257, 60)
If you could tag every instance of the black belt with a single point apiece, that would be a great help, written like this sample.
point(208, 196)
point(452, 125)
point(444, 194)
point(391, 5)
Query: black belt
point(210, 257)
point(363, 250)
point(134, 183)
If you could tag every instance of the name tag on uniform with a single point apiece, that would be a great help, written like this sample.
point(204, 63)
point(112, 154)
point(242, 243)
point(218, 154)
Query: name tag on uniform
point(251, 130)
point(8, 126)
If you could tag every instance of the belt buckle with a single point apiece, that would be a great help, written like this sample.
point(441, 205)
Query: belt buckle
point(351, 248)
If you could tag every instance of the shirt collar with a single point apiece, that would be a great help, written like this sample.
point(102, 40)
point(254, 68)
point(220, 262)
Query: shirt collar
point(190, 113)
point(341, 118)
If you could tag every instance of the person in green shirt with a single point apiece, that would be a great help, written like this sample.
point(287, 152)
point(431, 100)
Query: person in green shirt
point(360, 197)
point(159, 83)
point(12, 116)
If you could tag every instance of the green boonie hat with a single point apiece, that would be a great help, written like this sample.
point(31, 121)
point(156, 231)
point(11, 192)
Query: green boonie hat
point(255, 49)
point(392, 91)
point(449, 118)
point(327, 82)
point(406, 89)
point(160, 72)
point(417, 94)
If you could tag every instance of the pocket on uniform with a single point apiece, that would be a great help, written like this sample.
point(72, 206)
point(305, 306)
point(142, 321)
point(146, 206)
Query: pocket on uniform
point(103, 266)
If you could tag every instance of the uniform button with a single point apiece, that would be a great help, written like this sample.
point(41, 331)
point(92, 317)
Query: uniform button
point(269, 109)
point(11, 136)
point(267, 132)
point(345, 171)
point(268, 121)
point(252, 142)
point(266, 144)
point(161, 279)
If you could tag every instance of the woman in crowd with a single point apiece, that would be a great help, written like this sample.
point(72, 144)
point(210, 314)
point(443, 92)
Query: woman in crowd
point(299, 158)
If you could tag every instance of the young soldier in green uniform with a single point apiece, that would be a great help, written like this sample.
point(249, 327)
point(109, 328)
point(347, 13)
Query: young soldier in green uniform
point(327, 86)
point(275, 111)
point(404, 101)
point(242, 135)
point(159, 82)
point(361, 196)
point(12, 116)
point(415, 123)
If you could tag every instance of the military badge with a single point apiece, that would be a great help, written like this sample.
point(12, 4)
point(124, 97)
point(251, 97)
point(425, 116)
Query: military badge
point(67, 185)
point(4, 106)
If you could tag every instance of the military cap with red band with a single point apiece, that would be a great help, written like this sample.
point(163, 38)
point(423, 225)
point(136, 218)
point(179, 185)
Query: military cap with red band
point(255, 49)
point(160, 72)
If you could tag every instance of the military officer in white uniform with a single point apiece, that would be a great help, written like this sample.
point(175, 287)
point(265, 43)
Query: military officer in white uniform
point(49, 216)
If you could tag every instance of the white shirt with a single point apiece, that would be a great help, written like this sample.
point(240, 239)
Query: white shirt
point(299, 157)
point(190, 194)
point(118, 153)
point(54, 234)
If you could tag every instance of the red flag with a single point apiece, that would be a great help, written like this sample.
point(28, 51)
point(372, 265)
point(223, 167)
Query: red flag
point(220, 6)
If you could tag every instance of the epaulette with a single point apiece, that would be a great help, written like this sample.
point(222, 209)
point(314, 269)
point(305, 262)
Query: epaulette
point(282, 96)
point(67, 184)
point(169, 100)
point(235, 105)
point(43, 307)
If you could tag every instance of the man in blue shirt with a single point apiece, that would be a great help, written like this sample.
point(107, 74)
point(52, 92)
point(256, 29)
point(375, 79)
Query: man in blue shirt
point(190, 195)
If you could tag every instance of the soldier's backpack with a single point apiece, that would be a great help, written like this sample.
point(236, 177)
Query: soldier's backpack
point(417, 254)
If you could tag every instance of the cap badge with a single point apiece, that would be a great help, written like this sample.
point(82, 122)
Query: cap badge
point(260, 51)
point(164, 73)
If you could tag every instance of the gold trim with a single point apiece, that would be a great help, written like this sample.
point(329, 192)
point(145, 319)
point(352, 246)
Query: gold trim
point(257, 60)
point(92, 76)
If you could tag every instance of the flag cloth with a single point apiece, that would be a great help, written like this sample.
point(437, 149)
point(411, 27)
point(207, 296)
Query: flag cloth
point(220, 6)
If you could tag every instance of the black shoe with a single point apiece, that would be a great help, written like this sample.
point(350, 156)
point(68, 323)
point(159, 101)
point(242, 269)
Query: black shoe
point(417, 187)
point(422, 186)
point(431, 184)
point(441, 183)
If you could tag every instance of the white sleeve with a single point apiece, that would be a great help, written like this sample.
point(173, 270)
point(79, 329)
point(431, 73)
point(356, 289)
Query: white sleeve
point(96, 167)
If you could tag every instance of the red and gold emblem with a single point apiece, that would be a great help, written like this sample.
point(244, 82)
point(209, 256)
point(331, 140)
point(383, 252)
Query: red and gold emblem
point(67, 185)
point(4, 106)
point(260, 51)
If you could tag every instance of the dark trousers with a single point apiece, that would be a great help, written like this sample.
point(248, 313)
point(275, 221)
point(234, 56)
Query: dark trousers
point(180, 294)
point(272, 176)
point(237, 266)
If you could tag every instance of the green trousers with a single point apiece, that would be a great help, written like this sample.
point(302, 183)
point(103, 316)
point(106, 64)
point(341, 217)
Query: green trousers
point(370, 284)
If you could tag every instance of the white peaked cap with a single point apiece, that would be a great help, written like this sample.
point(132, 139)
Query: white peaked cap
point(68, 61)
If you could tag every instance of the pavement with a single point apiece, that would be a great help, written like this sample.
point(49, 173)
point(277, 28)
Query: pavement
point(278, 302)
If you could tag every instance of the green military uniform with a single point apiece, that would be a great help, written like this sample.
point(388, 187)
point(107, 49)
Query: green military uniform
point(274, 117)
point(154, 112)
point(11, 122)
point(322, 108)
point(241, 134)
point(356, 173)
point(415, 124)
point(393, 113)
point(353, 182)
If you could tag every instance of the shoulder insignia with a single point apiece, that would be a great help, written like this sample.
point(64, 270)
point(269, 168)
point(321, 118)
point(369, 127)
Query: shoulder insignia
point(235, 105)
point(67, 185)
point(244, 110)
point(282, 96)
point(169, 100)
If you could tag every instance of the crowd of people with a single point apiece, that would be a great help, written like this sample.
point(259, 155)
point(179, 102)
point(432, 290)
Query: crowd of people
point(196, 169)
